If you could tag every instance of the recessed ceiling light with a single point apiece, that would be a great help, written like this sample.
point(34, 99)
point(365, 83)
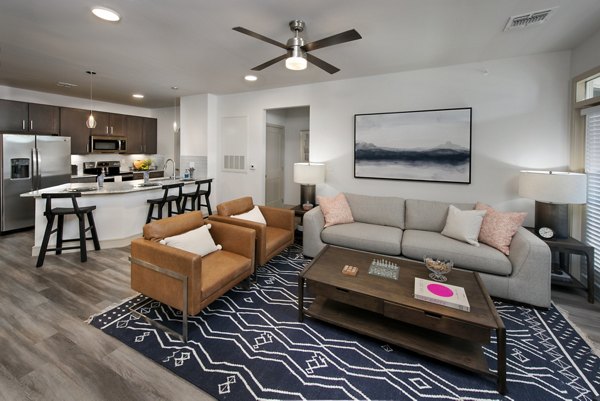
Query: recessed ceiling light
point(106, 14)
point(251, 78)
point(138, 96)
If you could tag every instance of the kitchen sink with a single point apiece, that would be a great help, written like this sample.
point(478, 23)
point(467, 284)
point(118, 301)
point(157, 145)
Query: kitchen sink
point(81, 189)
point(150, 184)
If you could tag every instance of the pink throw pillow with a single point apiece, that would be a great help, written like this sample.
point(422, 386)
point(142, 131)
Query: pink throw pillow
point(336, 210)
point(498, 228)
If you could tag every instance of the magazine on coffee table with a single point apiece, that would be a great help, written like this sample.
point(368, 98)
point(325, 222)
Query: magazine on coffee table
point(442, 294)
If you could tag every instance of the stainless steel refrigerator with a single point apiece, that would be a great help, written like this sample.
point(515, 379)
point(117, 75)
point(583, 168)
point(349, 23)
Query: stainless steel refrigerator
point(29, 162)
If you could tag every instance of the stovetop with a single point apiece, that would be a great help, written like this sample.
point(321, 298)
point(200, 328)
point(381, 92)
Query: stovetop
point(110, 168)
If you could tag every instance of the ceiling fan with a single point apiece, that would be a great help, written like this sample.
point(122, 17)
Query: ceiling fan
point(297, 55)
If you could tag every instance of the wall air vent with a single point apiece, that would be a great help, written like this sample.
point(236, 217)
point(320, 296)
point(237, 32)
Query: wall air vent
point(527, 20)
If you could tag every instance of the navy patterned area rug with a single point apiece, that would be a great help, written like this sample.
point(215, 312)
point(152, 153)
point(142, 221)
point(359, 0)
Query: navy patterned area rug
point(249, 345)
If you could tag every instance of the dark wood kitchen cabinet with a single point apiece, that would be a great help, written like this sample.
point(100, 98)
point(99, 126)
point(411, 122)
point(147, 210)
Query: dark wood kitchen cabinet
point(141, 135)
point(150, 136)
point(28, 117)
point(72, 124)
point(109, 124)
point(134, 127)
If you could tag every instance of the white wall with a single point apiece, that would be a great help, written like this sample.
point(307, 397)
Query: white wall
point(165, 136)
point(519, 121)
point(586, 56)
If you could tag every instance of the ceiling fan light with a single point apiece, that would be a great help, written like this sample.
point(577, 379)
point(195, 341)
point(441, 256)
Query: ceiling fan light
point(295, 63)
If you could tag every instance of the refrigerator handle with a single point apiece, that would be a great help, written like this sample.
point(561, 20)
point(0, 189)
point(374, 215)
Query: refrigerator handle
point(37, 167)
point(33, 169)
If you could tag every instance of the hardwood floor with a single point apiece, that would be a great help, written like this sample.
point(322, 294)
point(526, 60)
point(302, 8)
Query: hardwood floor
point(48, 352)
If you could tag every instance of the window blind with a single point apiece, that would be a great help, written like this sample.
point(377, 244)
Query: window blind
point(592, 169)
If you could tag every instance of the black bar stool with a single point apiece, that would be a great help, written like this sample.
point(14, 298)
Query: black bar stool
point(61, 212)
point(166, 199)
point(197, 195)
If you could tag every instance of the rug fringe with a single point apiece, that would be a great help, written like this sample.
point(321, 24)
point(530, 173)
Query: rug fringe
point(89, 319)
point(595, 347)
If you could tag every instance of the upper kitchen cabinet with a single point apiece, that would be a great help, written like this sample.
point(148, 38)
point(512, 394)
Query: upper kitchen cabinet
point(72, 124)
point(134, 127)
point(150, 136)
point(109, 124)
point(24, 117)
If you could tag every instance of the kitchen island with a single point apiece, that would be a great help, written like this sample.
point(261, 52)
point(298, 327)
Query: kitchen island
point(120, 214)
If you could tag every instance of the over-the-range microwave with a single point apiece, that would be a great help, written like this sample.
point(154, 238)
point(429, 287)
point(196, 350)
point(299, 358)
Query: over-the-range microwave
point(108, 144)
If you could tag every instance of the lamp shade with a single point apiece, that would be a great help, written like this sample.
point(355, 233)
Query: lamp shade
point(553, 186)
point(309, 173)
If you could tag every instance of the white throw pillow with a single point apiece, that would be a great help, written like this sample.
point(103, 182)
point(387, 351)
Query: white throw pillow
point(252, 215)
point(463, 225)
point(196, 241)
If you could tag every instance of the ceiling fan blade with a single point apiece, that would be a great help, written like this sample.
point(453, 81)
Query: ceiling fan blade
point(322, 64)
point(343, 37)
point(259, 37)
point(270, 62)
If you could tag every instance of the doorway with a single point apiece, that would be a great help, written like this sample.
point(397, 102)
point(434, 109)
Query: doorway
point(274, 168)
point(287, 142)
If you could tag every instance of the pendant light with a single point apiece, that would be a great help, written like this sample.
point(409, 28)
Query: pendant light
point(91, 121)
point(175, 111)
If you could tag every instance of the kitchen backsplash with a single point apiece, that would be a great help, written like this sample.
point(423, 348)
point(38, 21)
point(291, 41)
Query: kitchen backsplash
point(158, 161)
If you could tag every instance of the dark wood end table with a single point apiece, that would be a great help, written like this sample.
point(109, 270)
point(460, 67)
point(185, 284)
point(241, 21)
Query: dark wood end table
point(568, 246)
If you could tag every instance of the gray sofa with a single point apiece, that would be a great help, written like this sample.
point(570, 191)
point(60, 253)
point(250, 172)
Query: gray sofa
point(411, 228)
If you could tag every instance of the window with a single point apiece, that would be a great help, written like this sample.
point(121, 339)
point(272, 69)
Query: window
point(592, 88)
point(592, 169)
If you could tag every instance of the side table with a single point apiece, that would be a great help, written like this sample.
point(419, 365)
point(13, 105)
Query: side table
point(568, 246)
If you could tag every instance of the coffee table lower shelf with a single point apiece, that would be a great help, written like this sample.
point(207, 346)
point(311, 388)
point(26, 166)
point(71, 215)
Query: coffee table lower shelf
point(448, 349)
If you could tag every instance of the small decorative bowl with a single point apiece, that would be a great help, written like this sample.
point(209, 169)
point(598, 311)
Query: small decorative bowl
point(307, 206)
point(438, 268)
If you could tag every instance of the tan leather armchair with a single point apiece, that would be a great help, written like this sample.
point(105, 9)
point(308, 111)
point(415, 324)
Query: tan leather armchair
point(270, 239)
point(185, 280)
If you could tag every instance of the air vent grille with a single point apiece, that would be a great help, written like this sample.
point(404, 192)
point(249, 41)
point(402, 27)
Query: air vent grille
point(526, 20)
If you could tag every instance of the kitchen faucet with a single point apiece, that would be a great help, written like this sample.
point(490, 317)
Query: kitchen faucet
point(165, 168)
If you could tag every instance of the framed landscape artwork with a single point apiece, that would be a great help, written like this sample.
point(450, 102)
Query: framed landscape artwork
point(426, 145)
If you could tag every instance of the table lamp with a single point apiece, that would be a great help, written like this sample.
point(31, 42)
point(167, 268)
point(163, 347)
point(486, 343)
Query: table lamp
point(308, 175)
point(553, 191)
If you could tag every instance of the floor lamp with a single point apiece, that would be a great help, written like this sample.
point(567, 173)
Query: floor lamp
point(308, 175)
point(553, 191)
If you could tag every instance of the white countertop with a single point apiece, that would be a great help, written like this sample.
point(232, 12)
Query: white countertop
point(109, 188)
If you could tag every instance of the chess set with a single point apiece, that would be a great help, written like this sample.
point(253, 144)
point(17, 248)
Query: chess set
point(384, 268)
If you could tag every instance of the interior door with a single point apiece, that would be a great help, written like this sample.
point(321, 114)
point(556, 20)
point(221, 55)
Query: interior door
point(274, 166)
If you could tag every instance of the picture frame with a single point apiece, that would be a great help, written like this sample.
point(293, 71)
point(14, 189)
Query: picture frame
point(423, 145)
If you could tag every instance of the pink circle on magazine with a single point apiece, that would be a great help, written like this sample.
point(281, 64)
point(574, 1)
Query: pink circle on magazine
point(440, 290)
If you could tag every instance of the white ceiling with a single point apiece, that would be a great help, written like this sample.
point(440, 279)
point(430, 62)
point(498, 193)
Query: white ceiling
point(190, 43)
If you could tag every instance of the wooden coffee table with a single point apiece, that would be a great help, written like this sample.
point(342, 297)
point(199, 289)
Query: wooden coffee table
point(386, 309)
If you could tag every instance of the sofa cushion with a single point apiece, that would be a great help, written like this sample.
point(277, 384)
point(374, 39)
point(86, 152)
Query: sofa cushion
point(253, 214)
point(336, 210)
point(463, 225)
point(418, 243)
point(498, 228)
point(429, 215)
point(365, 237)
point(221, 268)
point(197, 241)
point(383, 210)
